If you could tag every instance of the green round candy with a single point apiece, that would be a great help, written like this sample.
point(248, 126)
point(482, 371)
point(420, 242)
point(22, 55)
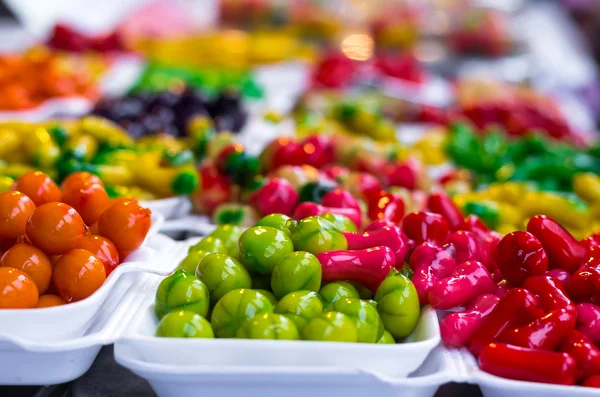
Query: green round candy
point(294, 272)
point(181, 291)
point(337, 290)
point(268, 294)
point(386, 338)
point(341, 222)
point(363, 291)
point(398, 305)
point(261, 247)
point(209, 244)
point(300, 307)
point(268, 326)
point(229, 234)
point(368, 323)
point(192, 260)
point(278, 221)
point(184, 324)
point(235, 307)
point(316, 234)
point(221, 274)
point(331, 327)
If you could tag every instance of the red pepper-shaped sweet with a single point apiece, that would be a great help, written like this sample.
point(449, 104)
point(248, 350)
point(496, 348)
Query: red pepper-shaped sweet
point(488, 246)
point(588, 321)
point(468, 280)
point(520, 255)
point(501, 288)
point(378, 224)
point(340, 198)
point(518, 307)
point(407, 174)
point(464, 247)
point(530, 365)
point(215, 189)
point(563, 250)
point(592, 381)
point(335, 173)
point(222, 159)
point(543, 333)
point(391, 237)
point(385, 206)
point(429, 264)
point(457, 328)
point(426, 227)
point(584, 284)
point(277, 196)
point(561, 275)
point(282, 151)
point(473, 224)
point(550, 293)
point(587, 355)
point(368, 267)
point(591, 240)
point(318, 151)
point(362, 185)
point(307, 209)
point(440, 203)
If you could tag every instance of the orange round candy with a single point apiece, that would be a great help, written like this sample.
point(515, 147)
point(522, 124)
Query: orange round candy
point(104, 249)
point(125, 224)
point(32, 261)
point(15, 208)
point(90, 200)
point(50, 300)
point(78, 274)
point(17, 289)
point(55, 228)
point(38, 186)
point(78, 180)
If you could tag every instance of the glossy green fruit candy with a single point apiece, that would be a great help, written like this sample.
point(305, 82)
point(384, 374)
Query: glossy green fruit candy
point(209, 244)
point(398, 305)
point(331, 327)
point(316, 234)
point(268, 326)
point(229, 234)
point(300, 307)
point(221, 274)
point(294, 272)
point(181, 291)
point(192, 260)
point(337, 290)
point(366, 319)
point(386, 338)
point(184, 324)
point(262, 247)
point(278, 221)
point(234, 308)
point(268, 294)
point(341, 222)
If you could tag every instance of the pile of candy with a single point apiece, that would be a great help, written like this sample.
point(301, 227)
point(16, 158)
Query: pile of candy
point(58, 245)
point(268, 282)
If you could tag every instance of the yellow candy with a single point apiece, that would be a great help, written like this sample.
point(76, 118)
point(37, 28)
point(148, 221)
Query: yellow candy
point(83, 146)
point(5, 183)
point(105, 131)
point(587, 186)
point(556, 207)
point(506, 228)
point(10, 142)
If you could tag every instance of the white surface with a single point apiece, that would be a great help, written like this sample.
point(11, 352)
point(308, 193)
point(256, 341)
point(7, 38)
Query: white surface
point(169, 208)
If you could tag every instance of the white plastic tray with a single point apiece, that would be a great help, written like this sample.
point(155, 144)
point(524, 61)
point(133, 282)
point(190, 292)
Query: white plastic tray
point(170, 208)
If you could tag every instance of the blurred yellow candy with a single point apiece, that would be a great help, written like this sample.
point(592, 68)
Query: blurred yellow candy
point(587, 186)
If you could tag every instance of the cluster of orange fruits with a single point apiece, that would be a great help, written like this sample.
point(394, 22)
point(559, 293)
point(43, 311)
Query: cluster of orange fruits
point(58, 245)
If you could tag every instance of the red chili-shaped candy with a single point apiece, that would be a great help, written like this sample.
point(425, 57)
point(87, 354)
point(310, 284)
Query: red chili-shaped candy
point(368, 267)
point(429, 264)
point(563, 250)
point(588, 321)
point(282, 151)
point(362, 185)
point(457, 328)
point(579, 345)
point(307, 209)
point(391, 237)
point(518, 307)
point(407, 174)
point(584, 284)
point(473, 224)
point(530, 365)
point(592, 381)
point(318, 150)
point(520, 255)
point(464, 247)
point(340, 198)
point(215, 189)
point(426, 227)
point(276, 196)
point(561, 275)
point(336, 173)
point(550, 293)
point(440, 203)
point(468, 280)
point(378, 224)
